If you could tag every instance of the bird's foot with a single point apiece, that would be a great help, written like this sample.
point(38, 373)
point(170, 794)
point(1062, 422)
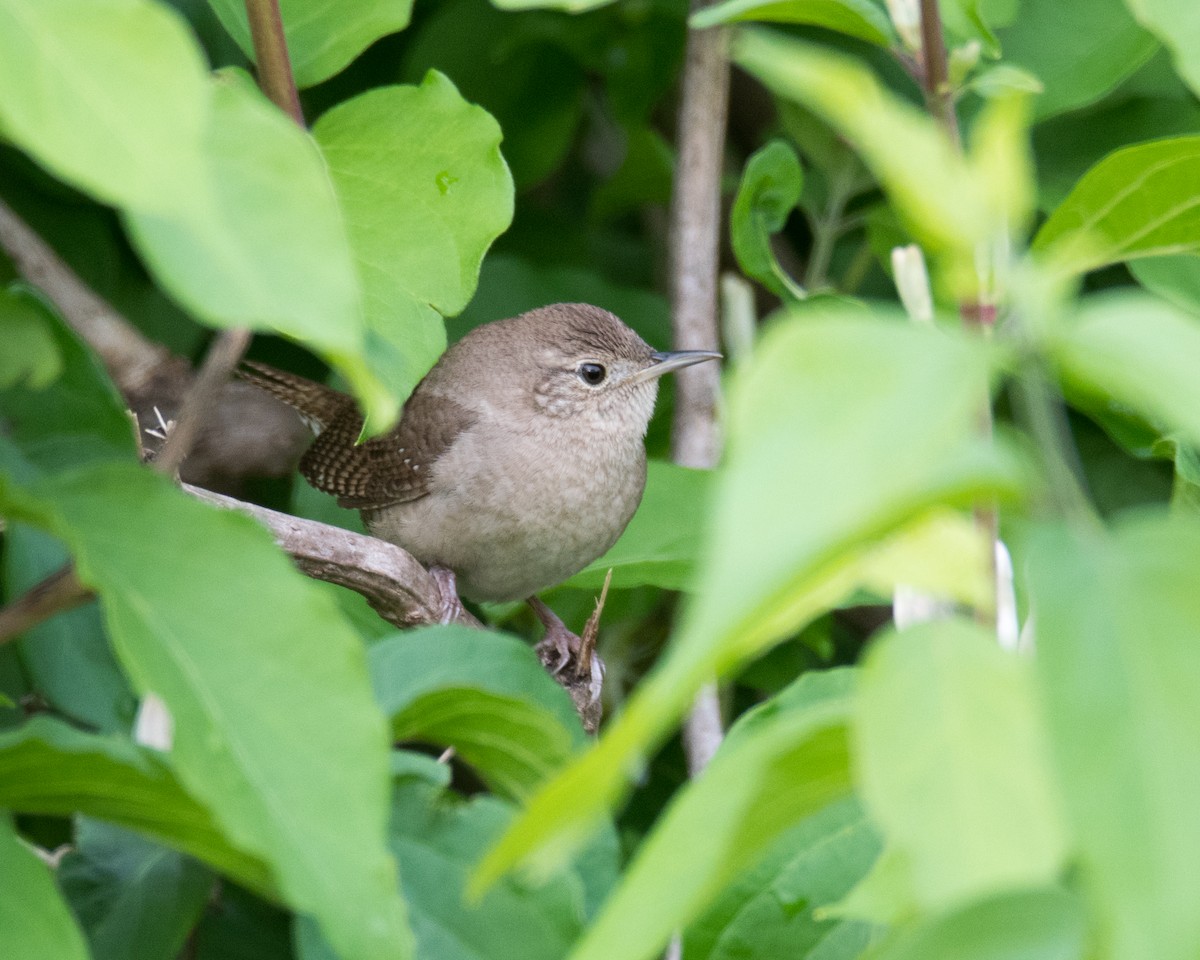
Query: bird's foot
point(450, 606)
point(559, 646)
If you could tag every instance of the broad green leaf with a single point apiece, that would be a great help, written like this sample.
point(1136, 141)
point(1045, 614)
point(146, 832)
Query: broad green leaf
point(1079, 49)
point(110, 95)
point(485, 694)
point(49, 767)
point(772, 910)
point(1034, 924)
point(67, 657)
point(30, 356)
point(34, 921)
point(256, 239)
point(826, 398)
point(1137, 202)
point(1134, 352)
point(861, 19)
point(1177, 24)
point(975, 809)
point(234, 640)
point(662, 541)
point(505, 64)
point(1175, 278)
point(1068, 146)
point(322, 37)
point(931, 185)
point(243, 927)
point(425, 191)
point(769, 191)
point(964, 20)
point(440, 837)
point(74, 417)
point(135, 899)
point(1116, 627)
point(795, 763)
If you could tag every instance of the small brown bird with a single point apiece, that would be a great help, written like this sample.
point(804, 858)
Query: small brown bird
point(518, 459)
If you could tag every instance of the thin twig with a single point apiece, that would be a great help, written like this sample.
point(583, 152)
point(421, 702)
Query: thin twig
point(935, 73)
point(695, 253)
point(271, 55)
point(59, 591)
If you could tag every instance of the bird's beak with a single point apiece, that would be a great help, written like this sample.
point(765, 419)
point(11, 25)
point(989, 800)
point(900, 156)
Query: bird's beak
point(669, 362)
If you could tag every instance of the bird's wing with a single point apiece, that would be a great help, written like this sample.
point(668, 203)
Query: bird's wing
point(393, 468)
point(317, 404)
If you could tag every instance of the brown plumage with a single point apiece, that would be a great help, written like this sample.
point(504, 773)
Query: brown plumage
point(517, 460)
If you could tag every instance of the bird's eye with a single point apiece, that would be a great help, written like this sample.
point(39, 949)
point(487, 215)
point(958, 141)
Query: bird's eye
point(592, 373)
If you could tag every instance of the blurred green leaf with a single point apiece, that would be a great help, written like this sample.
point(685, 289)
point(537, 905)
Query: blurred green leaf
point(1116, 627)
point(1079, 49)
point(425, 191)
point(257, 240)
point(645, 177)
point(861, 19)
point(930, 183)
point(49, 767)
point(135, 899)
point(662, 541)
point(770, 189)
point(239, 926)
point(67, 657)
point(483, 693)
point(1175, 279)
point(1035, 924)
point(795, 763)
point(828, 395)
point(34, 921)
point(30, 358)
point(1177, 24)
point(110, 95)
point(1136, 352)
point(772, 910)
point(964, 20)
point(231, 638)
point(322, 38)
point(77, 417)
point(1136, 202)
point(439, 837)
point(976, 810)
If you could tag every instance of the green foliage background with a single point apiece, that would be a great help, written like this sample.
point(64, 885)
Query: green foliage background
point(923, 792)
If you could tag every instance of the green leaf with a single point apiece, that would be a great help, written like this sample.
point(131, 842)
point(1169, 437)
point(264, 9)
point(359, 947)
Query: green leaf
point(772, 910)
point(1175, 279)
point(34, 921)
point(233, 640)
point(67, 658)
point(75, 417)
point(1136, 202)
point(135, 899)
point(1177, 24)
point(1116, 627)
point(1134, 351)
point(964, 20)
point(770, 189)
point(107, 94)
point(485, 694)
point(31, 356)
point(256, 239)
point(425, 191)
point(440, 837)
point(861, 19)
point(49, 767)
point(930, 184)
point(1036, 924)
point(827, 396)
point(795, 763)
point(322, 38)
point(661, 543)
point(975, 810)
point(1079, 49)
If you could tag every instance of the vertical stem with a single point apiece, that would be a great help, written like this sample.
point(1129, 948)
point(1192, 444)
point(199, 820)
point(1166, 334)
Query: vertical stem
point(271, 54)
point(695, 238)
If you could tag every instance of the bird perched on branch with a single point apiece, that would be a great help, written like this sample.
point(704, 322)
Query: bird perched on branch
point(517, 461)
